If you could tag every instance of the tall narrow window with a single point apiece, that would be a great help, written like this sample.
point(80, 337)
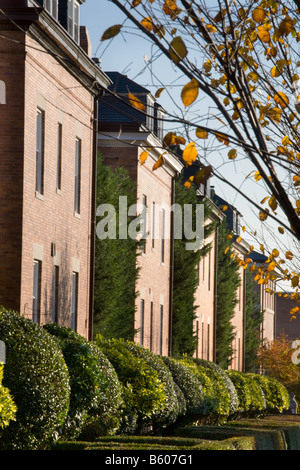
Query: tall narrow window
point(163, 221)
point(55, 282)
point(36, 298)
point(144, 224)
point(151, 326)
point(142, 314)
point(73, 19)
point(77, 175)
point(40, 126)
point(52, 7)
point(161, 318)
point(59, 156)
point(208, 342)
point(209, 272)
point(153, 225)
point(74, 301)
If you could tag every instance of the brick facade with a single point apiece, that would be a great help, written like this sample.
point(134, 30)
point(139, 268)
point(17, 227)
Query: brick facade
point(42, 226)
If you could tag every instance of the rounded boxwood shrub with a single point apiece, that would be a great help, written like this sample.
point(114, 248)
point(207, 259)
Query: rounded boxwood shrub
point(8, 408)
point(37, 377)
point(196, 406)
point(276, 395)
point(225, 384)
point(241, 384)
point(143, 392)
point(209, 386)
point(168, 414)
point(95, 401)
point(258, 401)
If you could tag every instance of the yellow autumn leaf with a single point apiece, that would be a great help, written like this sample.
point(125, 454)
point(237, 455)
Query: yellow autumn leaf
point(189, 154)
point(281, 99)
point(159, 92)
point(286, 26)
point(201, 133)
point(263, 34)
point(143, 157)
point(232, 154)
point(229, 236)
point(188, 182)
point(295, 281)
point(222, 138)
point(202, 175)
point(281, 230)
point(135, 102)
point(158, 163)
point(286, 140)
point(211, 28)
point(259, 15)
point(147, 23)
point(177, 50)
point(257, 176)
point(111, 32)
point(275, 72)
point(263, 215)
point(289, 255)
point(273, 203)
point(190, 92)
point(275, 252)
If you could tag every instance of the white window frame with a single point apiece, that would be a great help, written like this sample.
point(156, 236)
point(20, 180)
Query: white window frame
point(40, 145)
point(52, 7)
point(77, 192)
point(74, 19)
point(36, 291)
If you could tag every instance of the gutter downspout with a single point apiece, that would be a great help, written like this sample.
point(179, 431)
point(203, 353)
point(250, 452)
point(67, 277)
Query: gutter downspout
point(93, 219)
point(216, 289)
point(171, 283)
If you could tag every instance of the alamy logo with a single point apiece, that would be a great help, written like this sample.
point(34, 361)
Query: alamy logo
point(188, 222)
point(2, 92)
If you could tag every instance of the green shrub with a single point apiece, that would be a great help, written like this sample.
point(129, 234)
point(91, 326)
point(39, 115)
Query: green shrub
point(276, 395)
point(8, 408)
point(226, 388)
point(258, 401)
point(95, 400)
point(168, 414)
point(143, 391)
point(196, 406)
point(37, 377)
point(208, 384)
point(242, 387)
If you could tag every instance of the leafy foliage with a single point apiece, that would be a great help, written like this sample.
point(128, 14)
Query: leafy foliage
point(7, 406)
point(95, 401)
point(228, 280)
point(143, 392)
point(115, 261)
point(37, 377)
point(186, 261)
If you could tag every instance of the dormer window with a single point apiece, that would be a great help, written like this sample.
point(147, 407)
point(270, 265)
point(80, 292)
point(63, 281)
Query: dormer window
point(150, 113)
point(52, 7)
point(73, 19)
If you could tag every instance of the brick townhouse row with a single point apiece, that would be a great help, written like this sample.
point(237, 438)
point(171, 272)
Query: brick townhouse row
point(55, 115)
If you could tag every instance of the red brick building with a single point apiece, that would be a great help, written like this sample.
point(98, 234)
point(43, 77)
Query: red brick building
point(47, 158)
point(124, 133)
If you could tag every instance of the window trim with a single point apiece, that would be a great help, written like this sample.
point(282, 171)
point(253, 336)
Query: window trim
point(59, 157)
point(40, 151)
point(36, 291)
point(74, 309)
point(77, 181)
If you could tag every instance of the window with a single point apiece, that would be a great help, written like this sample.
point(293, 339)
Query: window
point(163, 220)
point(40, 127)
point(144, 224)
point(59, 156)
point(153, 225)
point(36, 298)
point(74, 301)
point(142, 313)
point(73, 19)
point(151, 326)
point(55, 282)
point(161, 318)
point(52, 7)
point(77, 175)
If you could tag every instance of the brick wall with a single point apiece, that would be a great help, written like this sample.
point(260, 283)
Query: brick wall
point(48, 219)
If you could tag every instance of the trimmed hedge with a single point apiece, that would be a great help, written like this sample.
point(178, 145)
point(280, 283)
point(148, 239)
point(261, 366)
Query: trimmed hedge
point(8, 408)
point(95, 401)
point(37, 377)
point(143, 391)
point(63, 385)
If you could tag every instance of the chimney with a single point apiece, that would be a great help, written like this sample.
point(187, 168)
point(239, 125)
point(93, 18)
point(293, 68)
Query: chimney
point(85, 42)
